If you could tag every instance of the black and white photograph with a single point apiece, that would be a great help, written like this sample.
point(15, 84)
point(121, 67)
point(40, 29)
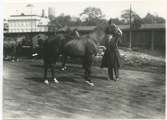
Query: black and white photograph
point(84, 60)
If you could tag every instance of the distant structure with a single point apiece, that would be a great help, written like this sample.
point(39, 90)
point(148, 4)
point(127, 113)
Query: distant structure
point(43, 13)
point(74, 18)
point(27, 23)
point(51, 11)
point(148, 36)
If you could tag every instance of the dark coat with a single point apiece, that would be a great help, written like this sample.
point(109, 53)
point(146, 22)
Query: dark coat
point(111, 56)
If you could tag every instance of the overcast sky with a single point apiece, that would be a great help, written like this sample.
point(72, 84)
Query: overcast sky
point(111, 8)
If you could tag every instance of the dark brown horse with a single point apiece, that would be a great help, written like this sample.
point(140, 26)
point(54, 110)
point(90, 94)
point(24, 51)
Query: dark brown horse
point(48, 48)
point(84, 48)
point(12, 48)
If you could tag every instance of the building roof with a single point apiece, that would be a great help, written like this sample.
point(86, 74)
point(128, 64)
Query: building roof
point(144, 26)
point(80, 28)
point(153, 26)
point(25, 17)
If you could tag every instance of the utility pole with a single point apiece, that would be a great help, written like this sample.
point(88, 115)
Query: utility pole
point(130, 29)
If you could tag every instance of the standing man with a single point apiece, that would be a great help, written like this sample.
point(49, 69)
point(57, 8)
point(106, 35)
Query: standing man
point(111, 58)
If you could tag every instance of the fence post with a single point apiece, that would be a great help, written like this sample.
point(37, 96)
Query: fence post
point(130, 30)
point(152, 40)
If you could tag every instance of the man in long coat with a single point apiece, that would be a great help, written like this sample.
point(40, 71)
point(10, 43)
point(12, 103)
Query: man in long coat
point(111, 58)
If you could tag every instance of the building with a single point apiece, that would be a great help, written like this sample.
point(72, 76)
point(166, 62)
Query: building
point(27, 23)
point(51, 12)
point(148, 36)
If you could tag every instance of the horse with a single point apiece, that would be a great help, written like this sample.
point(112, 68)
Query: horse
point(85, 48)
point(9, 49)
point(12, 48)
point(47, 47)
point(64, 44)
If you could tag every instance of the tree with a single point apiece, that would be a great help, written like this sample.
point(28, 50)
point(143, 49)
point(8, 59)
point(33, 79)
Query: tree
point(126, 16)
point(92, 15)
point(136, 23)
point(152, 19)
point(63, 20)
point(136, 20)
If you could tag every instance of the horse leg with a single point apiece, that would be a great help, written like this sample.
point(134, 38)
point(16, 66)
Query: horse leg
point(53, 74)
point(45, 73)
point(14, 54)
point(64, 62)
point(87, 76)
point(4, 53)
point(87, 66)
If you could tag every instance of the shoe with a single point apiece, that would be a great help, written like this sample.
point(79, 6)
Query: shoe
point(55, 80)
point(46, 82)
point(90, 83)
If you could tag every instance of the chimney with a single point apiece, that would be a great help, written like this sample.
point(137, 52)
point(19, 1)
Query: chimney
point(43, 13)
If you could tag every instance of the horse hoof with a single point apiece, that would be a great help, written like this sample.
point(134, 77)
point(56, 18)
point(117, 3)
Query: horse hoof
point(117, 79)
point(35, 54)
point(64, 68)
point(90, 83)
point(55, 80)
point(46, 82)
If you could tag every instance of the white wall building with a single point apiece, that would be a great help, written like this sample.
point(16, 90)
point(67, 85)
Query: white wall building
point(28, 23)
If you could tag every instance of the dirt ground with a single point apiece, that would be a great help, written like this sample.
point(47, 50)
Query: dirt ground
point(138, 94)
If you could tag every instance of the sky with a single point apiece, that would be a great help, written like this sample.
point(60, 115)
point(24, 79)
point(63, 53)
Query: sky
point(111, 8)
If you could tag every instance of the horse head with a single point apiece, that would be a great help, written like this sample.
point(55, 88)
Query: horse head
point(37, 43)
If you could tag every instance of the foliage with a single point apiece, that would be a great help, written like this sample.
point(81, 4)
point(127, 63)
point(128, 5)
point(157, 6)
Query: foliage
point(149, 18)
point(92, 15)
point(117, 21)
point(136, 23)
point(64, 20)
point(136, 20)
point(126, 16)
